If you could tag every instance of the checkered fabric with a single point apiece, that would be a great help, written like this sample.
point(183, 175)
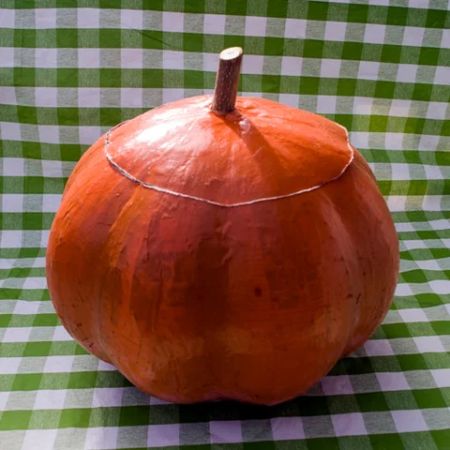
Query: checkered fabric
point(69, 70)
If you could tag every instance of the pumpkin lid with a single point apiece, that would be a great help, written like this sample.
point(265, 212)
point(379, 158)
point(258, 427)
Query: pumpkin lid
point(227, 151)
point(260, 151)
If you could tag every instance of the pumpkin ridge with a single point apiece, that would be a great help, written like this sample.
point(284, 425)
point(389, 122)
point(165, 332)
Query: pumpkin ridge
point(116, 166)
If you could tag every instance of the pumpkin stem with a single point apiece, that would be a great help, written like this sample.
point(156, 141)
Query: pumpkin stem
point(227, 80)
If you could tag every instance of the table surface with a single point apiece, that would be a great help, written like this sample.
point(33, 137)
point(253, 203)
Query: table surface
point(68, 74)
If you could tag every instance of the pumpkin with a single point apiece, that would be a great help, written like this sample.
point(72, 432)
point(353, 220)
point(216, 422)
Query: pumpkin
point(227, 252)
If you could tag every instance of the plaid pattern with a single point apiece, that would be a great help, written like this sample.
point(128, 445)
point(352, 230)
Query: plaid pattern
point(71, 70)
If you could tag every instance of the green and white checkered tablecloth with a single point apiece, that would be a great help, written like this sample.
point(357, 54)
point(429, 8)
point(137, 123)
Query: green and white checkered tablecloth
point(70, 70)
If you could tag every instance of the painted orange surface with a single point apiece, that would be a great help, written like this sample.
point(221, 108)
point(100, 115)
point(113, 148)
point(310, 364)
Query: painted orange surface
point(192, 301)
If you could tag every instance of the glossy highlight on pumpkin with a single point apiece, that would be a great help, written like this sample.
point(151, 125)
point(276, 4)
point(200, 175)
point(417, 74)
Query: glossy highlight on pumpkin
point(194, 301)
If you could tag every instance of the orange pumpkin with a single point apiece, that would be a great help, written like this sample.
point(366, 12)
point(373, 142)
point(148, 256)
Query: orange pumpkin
point(211, 254)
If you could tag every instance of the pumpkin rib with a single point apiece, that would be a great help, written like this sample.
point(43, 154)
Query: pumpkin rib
point(101, 323)
point(160, 189)
point(370, 300)
point(76, 196)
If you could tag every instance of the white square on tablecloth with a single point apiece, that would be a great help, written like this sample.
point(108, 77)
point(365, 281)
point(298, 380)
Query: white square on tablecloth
point(337, 385)
point(287, 428)
point(131, 97)
point(7, 18)
point(429, 142)
point(58, 364)
point(434, 173)
point(437, 110)
point(10, 131)
point(9, 365)
point(45, 438)
point(392, 381)
point(99, 438)
point(413, 315)
point(13, 167)
point(88, 18)
point(291, 65)
point(255, 26)
point(211, 62)
point(409, 421)
point(442, 75)
point(173, 60)
point(422, 4)
point(46, 57)
point(289, 99)
point(362, 105)
point(413, 36)
point(378, 347)
point(88, 58)
point(406, 73)
point(11, 202)
point(368, 70)
point(50, 399)
point(132, 58)
point(7, 59)
point(335, 31)
point(170, 95)
point(441, 376)
point(61, 334)
point(88, 134)
point(173, 22)
point(44, 18)
point(393, 141)
point(4, 397)
point(225, 431)
point(253, 64)
point(51, 202)
point(16, 334)
point(11, 239)
point(27, 306)
point(374, 33)
point(360, 139)
point(349, 424)
point(214, 24)
point(427, 344)
point(46, 96)
point(161, 435)
point(131, 18)
point(52, 169)
point(445, 39)
point(330, 68)
point(107, 397)
point(402, 289)
point(49, 134)
point(89, 97)
point(295, 28)
point(326, 104)
point(398, 171)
